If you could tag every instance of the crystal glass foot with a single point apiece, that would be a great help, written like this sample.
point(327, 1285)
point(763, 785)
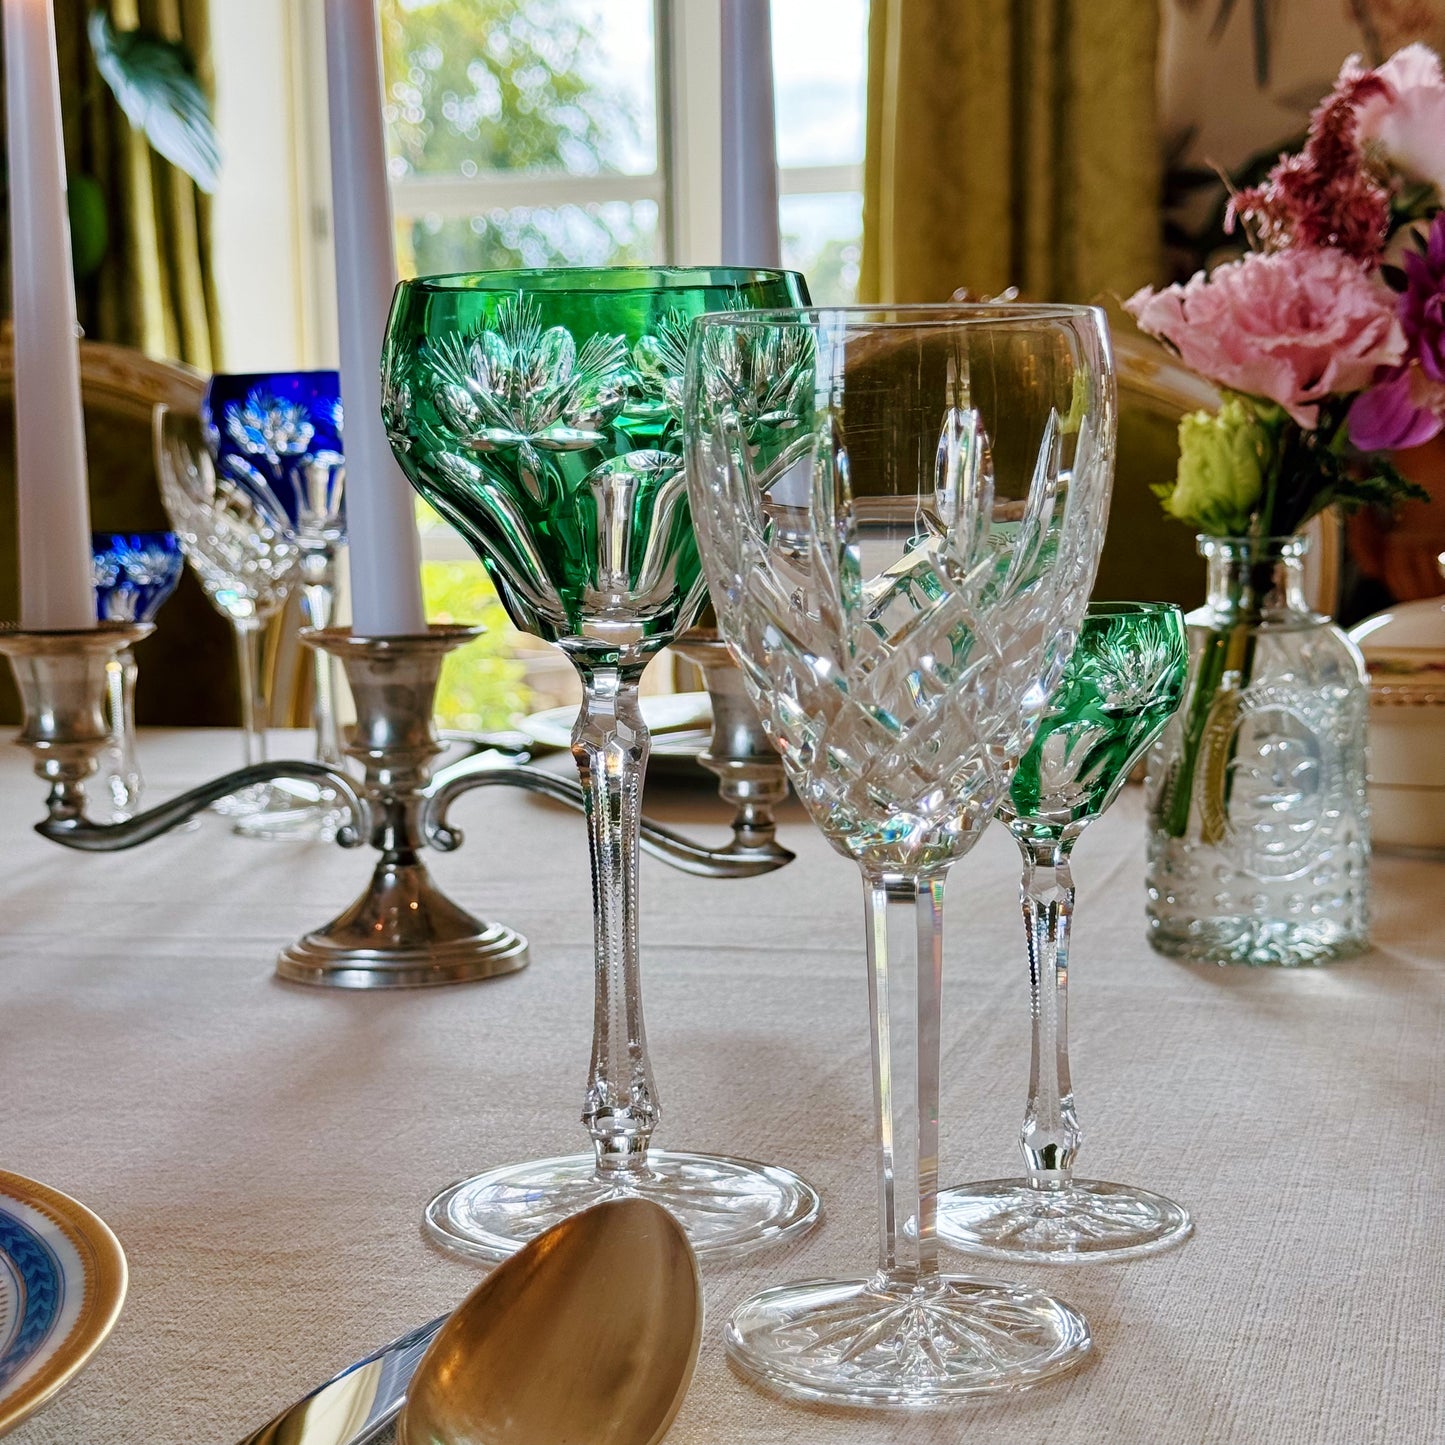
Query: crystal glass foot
point(900, 511)
point(1088, 1221)
point(540, 412)
point(1121, 686)
point(728, 1207)
point(867, 1342)
point(133, 573)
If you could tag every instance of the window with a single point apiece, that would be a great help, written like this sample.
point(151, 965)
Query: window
point(522, 133)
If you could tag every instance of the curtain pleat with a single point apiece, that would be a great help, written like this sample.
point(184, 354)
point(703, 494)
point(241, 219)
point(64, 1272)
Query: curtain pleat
point(153, 289)
point(1010, 142)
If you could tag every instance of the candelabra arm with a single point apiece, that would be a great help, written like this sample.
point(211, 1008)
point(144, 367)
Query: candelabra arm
point(671, 847)
point(68, 825)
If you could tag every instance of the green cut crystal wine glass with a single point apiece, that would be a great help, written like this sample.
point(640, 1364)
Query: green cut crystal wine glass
point(1123, 683)
point(540, 412)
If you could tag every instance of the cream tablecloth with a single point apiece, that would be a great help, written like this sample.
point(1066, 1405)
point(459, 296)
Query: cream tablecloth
point(264, 1151)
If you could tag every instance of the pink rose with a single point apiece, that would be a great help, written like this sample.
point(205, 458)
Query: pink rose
point(1294, 326)
point(1410, 129)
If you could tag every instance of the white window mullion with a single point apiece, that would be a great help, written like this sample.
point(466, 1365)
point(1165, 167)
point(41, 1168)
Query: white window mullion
point(692, 30)
point(463, 196)
point(819, 180)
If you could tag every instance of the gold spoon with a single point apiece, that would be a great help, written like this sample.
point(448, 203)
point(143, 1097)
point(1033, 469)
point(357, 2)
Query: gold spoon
point(589, 1333)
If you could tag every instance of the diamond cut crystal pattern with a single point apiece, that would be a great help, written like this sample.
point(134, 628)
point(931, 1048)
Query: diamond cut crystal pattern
point(891, 642)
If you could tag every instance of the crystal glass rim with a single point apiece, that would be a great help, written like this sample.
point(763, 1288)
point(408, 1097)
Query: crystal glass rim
point(912, 316)
point(581, 280)
point(109, 539)
point(1289, 545)
point(271, 375)
point(1129, 608)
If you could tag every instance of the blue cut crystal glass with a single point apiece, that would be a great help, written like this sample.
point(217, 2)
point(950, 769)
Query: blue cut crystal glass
point(279, 433)
point(279, 436)
point(133, 572)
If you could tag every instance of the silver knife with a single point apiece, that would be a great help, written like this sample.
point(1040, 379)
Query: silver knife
point(358, 1404)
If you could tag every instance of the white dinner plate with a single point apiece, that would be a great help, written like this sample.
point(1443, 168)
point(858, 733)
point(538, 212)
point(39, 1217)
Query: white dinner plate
point(62, 1283)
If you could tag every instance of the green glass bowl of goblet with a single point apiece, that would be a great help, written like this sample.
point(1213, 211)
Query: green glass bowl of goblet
point(540, 412)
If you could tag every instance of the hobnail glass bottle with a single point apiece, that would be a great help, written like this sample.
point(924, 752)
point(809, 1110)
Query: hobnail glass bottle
point(1258, 827)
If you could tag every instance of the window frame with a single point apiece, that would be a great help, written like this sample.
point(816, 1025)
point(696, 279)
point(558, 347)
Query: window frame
point(683, 185)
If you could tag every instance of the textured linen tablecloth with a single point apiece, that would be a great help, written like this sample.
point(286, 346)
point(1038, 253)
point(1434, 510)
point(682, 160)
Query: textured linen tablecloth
point(264, 1151)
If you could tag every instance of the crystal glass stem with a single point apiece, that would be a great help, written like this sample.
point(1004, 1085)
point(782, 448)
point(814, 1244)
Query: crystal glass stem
point(610, 743)
point(318, 588)
point(126, 782)
point(905, 976)
point(253, 703)
point(1050, 1137)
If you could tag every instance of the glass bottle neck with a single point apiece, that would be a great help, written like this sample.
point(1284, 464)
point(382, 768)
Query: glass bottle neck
point(1254, 575)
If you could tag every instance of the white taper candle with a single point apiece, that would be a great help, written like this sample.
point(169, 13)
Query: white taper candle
point(53, 530)
point(380, 505)
point(749, 142)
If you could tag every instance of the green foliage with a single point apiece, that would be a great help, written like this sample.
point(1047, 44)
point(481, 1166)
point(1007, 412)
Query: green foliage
point(154, 81)
point(482, 684)
point(89, 225)
point(508, 85)
point(1250, 470)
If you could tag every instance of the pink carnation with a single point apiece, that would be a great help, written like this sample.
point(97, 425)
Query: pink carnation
point(1408, 125)
point(1293, 326)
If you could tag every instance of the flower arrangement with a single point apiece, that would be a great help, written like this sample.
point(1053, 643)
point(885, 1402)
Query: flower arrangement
point(1326, 338)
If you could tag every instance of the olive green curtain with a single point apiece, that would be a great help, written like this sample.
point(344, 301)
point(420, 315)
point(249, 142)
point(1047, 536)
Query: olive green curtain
point(1010, 142)
point(153, 289)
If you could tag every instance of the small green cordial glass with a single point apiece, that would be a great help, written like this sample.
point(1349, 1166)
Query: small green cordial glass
point(540, 412)
point(1123, 683)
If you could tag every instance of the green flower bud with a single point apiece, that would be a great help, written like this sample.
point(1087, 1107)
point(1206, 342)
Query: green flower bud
point(1223, 458)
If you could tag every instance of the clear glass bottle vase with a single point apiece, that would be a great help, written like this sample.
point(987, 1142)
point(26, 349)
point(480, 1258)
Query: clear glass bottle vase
point(1258, 828)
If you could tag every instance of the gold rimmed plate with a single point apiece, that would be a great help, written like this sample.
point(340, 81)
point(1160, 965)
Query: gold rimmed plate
point(62, 1284)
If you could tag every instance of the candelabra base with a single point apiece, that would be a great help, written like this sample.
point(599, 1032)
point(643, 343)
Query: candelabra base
point(403, 932)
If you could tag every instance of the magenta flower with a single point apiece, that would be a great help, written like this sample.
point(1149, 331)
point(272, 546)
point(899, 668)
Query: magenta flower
point(1325, 195)
point(1402, 409)
point(1422, 307)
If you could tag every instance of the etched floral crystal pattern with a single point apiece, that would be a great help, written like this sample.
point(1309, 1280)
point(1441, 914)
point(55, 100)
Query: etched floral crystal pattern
point(901, 511)
point(560, 459)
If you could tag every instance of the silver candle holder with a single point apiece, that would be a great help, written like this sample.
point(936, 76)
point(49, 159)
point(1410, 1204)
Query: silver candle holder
point(62, 678)
point(747, 766)
point(403, 931)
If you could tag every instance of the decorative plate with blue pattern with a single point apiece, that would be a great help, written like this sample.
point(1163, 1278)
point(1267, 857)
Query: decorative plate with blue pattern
point(62, 1282)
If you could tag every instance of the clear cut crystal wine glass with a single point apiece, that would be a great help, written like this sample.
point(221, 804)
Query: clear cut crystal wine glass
point(900, 511)
point(244, 555)
point(540, 413)
point(1123, 683)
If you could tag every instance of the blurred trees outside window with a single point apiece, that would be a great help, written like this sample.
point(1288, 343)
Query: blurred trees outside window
point(530, 133)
